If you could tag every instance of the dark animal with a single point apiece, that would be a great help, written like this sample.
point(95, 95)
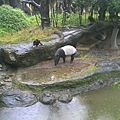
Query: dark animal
point(36, 43)
point(62, 52)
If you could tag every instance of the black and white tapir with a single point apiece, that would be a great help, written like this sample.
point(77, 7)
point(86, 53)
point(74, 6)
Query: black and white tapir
point(62, 52)
point(36, 43)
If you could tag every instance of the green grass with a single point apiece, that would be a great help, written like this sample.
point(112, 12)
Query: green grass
point(25, 34)
point(89, 69)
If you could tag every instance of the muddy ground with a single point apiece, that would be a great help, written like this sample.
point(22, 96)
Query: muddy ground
point(46, 71)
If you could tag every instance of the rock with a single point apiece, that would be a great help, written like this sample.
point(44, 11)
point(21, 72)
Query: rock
point(106, 63)
point(47, 98)
point(107, 66)
point(24, 55)
point(65, 98)
point(2, 84)
point(8, 78)
point(117, 61)
point(17, 98)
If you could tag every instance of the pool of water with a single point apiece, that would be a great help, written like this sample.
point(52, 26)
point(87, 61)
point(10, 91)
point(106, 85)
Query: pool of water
point(101, 104)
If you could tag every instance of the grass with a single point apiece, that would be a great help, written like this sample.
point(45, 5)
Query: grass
point(26, 34)
point(89, 69)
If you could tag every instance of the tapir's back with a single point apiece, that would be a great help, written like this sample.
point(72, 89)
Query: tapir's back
point(69, 50)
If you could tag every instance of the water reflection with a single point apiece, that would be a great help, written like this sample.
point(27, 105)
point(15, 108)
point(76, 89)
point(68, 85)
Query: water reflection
point(102, 104)
point(58, 111)
point(74, 110)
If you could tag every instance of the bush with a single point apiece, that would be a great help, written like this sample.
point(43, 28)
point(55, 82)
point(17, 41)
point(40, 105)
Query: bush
point(116, 84)
point(12, 19)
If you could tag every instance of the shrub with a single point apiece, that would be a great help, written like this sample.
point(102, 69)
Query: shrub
point(12, 19)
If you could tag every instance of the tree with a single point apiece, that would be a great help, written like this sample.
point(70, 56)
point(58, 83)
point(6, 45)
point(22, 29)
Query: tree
point(114, 9)
point(43, 8)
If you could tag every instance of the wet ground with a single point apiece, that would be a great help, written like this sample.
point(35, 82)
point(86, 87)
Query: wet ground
point(46, 71)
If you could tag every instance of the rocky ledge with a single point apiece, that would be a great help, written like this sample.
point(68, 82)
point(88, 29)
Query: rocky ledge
point(25, 94)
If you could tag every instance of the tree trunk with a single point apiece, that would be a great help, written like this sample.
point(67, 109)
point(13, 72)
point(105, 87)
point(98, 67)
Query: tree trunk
point(102, 14)
point(113, 39)
point(44, 10)
point(103, 7)
point(15, 3)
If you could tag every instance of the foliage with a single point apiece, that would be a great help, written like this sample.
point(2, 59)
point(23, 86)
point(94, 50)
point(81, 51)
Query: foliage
point(85, 3)
point(27, 87)
point(71, 19)
point(114, 5)
point(12, 19)
point(30, 32)
point(116, 84)
point(109, 6)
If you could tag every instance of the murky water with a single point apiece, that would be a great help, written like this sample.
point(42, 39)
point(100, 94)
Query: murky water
point(101, 104)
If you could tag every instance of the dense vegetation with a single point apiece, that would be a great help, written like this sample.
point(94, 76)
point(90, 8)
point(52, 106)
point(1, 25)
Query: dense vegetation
point(15, 25)
point(12, 19)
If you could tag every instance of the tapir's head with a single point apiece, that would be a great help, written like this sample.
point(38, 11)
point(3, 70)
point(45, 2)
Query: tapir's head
point(56, 58)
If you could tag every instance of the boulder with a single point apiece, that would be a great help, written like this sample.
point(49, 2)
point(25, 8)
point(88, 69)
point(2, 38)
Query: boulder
point(24, 55)
point(65, 98)
point(47, 98)
point(17, 98)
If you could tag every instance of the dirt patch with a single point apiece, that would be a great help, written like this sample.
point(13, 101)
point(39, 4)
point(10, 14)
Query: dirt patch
point(46, 71)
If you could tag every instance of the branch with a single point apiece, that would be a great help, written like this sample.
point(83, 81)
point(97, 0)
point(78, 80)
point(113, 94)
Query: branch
point(32, 3)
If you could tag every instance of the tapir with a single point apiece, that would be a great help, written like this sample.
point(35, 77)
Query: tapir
point(64, 51)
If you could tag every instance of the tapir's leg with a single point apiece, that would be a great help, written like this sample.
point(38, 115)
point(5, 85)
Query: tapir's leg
point(72, 58)
point(63, 59)
point(62, 55)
